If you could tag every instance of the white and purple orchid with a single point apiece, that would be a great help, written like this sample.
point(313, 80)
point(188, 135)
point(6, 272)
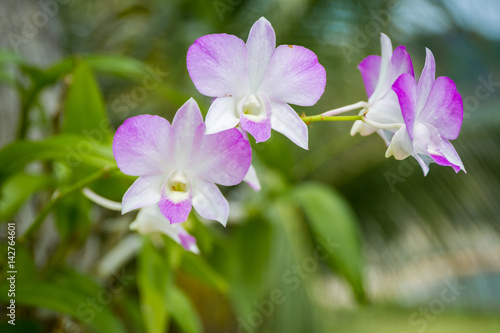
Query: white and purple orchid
point(178, 165)
point(254, 82)
point(150, 220)
point(379, 73)
point(433, 112)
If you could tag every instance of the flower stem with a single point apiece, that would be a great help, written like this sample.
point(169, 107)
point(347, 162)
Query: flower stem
point(61, 194)
point(346, 108)
point(320, 117)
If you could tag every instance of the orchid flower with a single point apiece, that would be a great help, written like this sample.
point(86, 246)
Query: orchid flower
point(178, 165)
point(254, 82)
point(149, 220)
point(433, 112)
point(382, 111)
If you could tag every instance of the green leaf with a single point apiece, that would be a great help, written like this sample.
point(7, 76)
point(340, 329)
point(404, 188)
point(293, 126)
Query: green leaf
point(335, 227)
point(117, 65)
point(72, 217)
point(196, 266)
point(67, 292)
point(8, 57)
point(183, 312)
point(72, 150)
point(17, 189)
point(85, 112)
point(153, 277)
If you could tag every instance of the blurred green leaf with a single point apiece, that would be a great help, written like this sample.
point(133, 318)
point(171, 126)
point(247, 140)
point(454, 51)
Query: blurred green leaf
point(154, 278)
point(66, 292)
point(72, 150)
point(183, 312)
point(140, 72)
point(17, 189)
point(196, 266)
point(117, 65)
point(333, 223)
point(85, 112)
point(72, 217)
point(8, 56)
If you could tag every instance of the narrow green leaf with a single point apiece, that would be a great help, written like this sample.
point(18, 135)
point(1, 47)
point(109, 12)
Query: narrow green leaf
point(85, 113)
point(334, 225)
point(71, 150)
point(75, 295)
point(183, 312)
point(196, 266)
point(17, 189)
point(153, 278)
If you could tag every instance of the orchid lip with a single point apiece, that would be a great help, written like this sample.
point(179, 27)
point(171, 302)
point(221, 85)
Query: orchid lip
point(253, 108)
point(177, 187)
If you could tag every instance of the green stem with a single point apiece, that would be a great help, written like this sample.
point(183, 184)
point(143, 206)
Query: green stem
point(319, 117)
point(61, 194)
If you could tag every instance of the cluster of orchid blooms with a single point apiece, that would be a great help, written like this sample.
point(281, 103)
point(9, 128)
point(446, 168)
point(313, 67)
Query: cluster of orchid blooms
point(253, 84)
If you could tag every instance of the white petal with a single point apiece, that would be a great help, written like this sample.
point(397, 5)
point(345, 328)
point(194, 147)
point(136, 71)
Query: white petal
point(252, 180)
point(401, 145)
point(260, 44)
point(222, 115)
point(384, 77)
point(285, 120)
point(145, 191)
point(209, 202)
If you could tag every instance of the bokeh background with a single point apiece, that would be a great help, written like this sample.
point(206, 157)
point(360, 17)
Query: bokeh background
point(404, 252)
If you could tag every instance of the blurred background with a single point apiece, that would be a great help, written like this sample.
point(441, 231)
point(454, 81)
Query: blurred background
point(339, 239)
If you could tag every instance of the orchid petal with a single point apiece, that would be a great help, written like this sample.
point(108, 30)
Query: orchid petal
point(429, 142)
point(252, 179)
point(175, 211)
point(405, 88)
point(150, 219)
point(294, 76)
point(142, 144)
point(426, 80)
point(223, 158)
point(386, 110)
point(187, 241)
point(370, 71)
point(261, 44)
point(444, 108)
point(260, 130)
point(217, 64)
point(222, 115)
point(448, 157)
point(256, 116)
point(362, 128)
point(209, 202)
point(401, 63)
point(401, 145)
point(145, 191)
point(186, 127)
point(384, 78)
point(285, 120)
